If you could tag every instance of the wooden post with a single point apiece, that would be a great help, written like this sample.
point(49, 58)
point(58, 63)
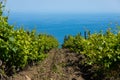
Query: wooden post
point(85, 35)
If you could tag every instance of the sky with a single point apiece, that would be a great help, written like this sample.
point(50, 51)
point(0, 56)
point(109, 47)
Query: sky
point(64, 6)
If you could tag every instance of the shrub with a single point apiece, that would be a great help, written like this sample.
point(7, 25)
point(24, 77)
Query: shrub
point(100, 49)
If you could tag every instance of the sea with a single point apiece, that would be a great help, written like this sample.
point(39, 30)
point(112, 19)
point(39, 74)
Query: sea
point(60, 25)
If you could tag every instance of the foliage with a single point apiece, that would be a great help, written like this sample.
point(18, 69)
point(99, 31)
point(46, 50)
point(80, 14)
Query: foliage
point(20, 47)
point(74, 43)
point(100, 49)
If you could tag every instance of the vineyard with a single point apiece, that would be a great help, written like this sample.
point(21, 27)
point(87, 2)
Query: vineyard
point(19, 48)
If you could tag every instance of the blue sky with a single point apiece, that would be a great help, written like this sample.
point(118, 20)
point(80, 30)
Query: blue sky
point(64, 6)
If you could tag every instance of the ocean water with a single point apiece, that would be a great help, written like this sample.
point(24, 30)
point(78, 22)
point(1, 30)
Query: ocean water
point(60, 25)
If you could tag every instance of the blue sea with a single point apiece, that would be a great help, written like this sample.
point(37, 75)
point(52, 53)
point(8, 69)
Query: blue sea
point(60, 25)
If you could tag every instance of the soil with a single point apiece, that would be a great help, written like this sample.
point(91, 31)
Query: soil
point(59, 65)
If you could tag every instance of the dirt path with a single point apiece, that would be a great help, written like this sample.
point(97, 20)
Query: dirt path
point(59, 65)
